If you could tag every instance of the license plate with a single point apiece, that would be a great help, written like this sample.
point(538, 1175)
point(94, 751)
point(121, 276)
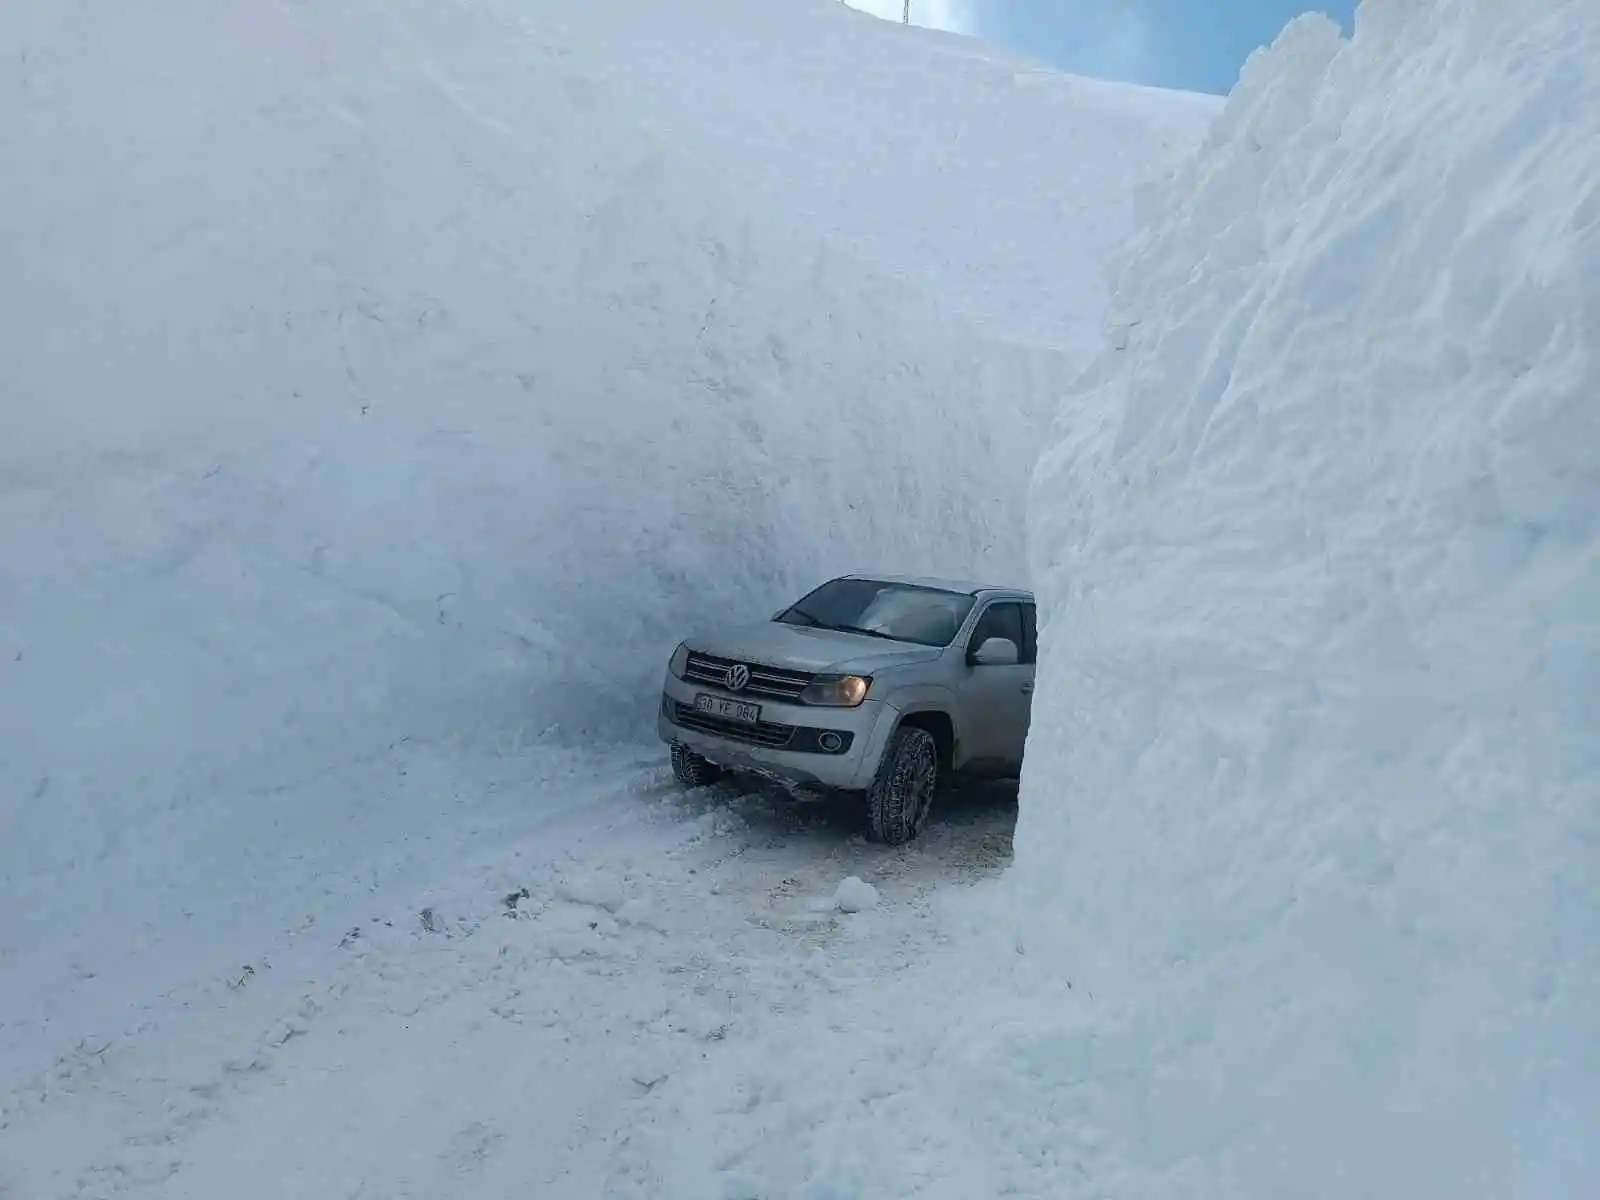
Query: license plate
point(728, 710)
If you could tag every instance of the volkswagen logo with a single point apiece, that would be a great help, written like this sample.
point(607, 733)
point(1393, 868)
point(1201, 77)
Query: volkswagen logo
point(738, 677)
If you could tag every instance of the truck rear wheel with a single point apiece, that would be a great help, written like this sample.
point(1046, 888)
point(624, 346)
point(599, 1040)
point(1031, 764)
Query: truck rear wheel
point(693, 770)
point(902, 792)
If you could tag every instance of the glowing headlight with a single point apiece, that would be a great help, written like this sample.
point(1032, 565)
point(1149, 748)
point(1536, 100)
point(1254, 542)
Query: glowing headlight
point(836, 691)
point(680, 660)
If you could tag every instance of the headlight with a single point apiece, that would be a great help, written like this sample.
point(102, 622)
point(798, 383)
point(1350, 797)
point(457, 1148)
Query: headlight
point(836, 691)
point(680, 660)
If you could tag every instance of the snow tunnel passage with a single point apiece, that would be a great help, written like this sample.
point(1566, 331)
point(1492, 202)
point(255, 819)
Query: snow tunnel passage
point(404, 401)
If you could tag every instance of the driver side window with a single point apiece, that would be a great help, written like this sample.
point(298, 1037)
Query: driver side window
point(1003, 620)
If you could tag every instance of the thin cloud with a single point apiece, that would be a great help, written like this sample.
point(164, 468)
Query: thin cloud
point(954, 15)
point(1103, 39)
point(1120, 45)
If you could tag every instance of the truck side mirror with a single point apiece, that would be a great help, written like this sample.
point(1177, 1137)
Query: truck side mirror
point(995, 652)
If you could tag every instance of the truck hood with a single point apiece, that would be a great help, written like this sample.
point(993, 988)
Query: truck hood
point(819, 650)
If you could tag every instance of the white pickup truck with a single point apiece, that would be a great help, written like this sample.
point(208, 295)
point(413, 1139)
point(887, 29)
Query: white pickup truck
point(882, 686)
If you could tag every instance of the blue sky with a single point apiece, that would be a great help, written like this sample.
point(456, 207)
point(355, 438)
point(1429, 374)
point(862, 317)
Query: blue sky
point(1194, 44)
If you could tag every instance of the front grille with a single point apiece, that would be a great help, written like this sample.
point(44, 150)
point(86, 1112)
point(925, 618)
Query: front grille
point(775, 683)
point(762, 733)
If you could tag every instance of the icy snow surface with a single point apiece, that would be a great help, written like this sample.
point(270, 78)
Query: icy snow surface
point(1313, 792)
point(722, 1032)
point(385, 391)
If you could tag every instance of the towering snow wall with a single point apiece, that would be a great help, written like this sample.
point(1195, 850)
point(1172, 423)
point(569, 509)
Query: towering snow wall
point(371, 379)
point(997, 185)
point(1312, 805)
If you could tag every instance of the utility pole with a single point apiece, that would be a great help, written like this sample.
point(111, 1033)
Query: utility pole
point(905, 14)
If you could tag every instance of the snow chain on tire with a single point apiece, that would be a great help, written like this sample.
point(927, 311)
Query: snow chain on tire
point(902, 792)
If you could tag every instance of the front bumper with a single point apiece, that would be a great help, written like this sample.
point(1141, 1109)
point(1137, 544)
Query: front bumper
point(867, 726)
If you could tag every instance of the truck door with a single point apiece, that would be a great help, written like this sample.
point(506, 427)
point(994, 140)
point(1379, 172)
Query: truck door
point(999, 696)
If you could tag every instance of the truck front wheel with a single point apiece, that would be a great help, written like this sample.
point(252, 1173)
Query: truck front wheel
point(902, 792)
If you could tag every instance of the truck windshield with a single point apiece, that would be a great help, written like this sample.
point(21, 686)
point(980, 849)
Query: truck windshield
point(902, 612)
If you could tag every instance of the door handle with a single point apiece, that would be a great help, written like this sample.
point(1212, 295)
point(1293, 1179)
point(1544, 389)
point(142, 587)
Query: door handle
point(1027, 688)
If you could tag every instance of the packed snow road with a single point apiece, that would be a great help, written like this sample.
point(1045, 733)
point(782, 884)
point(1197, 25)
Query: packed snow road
point(580, 1024)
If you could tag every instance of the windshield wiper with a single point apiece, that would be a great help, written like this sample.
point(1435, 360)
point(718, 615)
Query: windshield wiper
point(800, 612)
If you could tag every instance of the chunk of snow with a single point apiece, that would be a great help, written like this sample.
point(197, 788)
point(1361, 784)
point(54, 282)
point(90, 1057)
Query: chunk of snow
point(1311, 796)
point(598, 889)
point(855, 895)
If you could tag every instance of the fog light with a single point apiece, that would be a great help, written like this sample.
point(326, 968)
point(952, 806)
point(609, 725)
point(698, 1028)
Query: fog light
point(830, 741)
